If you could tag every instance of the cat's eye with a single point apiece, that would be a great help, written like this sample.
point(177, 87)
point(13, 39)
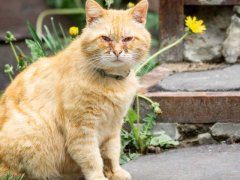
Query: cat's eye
point(127, 39)
point(107, 39)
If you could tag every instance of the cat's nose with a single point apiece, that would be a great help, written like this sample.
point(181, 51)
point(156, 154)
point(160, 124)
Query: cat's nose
point(117, 52)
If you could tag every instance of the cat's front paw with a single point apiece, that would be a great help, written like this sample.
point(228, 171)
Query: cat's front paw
point(121, 174)
point(103, 178)
point(96, 178)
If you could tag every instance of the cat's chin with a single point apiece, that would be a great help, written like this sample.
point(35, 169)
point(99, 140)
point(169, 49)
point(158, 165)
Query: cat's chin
point(115, 64)
point(122, 69)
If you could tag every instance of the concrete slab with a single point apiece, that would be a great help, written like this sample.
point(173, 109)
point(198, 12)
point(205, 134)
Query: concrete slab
point(226, 79)
point(215, 162)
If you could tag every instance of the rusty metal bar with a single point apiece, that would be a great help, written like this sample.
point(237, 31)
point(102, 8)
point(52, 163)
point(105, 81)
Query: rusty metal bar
point(198, 107)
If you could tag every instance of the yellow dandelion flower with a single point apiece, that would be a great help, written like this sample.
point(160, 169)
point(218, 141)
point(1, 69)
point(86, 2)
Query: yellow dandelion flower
point(195, 25)
point(130, 5)
point(73, 31)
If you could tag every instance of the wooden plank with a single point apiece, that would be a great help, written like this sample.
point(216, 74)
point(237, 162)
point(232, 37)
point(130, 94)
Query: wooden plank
point(15, 14)
point(171, 16)
point(198, 107)
point(153, 5)
point(214, 2)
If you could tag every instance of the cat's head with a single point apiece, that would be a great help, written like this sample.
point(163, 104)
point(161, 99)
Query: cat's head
point(116, 38)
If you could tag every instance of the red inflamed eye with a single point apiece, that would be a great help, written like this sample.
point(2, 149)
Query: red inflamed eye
point(107, 39)
point(127, 39)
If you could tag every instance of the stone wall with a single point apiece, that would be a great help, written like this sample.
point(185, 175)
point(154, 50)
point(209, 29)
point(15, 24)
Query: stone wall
point(221, 41)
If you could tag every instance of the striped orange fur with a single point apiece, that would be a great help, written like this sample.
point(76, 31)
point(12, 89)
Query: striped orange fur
point(60, 118)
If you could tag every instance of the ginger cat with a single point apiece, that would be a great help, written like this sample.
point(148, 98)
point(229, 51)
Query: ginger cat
point(61, 117)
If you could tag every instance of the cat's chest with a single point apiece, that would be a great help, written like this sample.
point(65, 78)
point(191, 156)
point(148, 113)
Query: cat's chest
point(113, 109)
point(114, 105)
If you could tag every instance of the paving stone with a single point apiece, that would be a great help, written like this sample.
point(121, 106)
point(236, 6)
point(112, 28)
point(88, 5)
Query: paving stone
point(226, 130)
point(214, 162)
point(152, 78)
point(205, 138)
point(225, 79)
point(170, 129)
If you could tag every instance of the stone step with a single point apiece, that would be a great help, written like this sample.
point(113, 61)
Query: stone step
point(198, 107)
point(205, 96)
point(223, 79)
point(215, 162)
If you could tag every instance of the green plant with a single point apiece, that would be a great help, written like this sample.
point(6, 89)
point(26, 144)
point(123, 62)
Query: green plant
point(11, 177)
point(40, 46)
point(137, 137)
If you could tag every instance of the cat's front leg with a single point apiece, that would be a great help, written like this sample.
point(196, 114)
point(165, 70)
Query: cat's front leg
point(83, 148)
point(110, 151)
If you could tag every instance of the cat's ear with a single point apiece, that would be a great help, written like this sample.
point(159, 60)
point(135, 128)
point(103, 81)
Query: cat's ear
point(93, 11)
point(139, 12)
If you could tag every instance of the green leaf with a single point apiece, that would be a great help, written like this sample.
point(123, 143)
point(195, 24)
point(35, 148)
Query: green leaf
point(126, 157)
point(36, 50)
point(50, 41)
point(109, 3)
point(163, 140)
point(66, 42)
point(133, 156)
point(131, 117)
point(34, 35)
point(149, 122)
point(11, 177)
point(56, 35)
point(8, 69)
point(126, 138)
point(9, 37)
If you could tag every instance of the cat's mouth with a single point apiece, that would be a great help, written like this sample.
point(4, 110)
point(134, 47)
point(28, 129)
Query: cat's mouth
point(118, 61)
point(111, 61)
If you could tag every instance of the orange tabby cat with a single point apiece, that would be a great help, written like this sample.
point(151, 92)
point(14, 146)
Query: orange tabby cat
point(61, 117)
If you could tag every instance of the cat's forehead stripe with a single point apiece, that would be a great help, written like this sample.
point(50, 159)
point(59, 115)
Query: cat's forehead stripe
point(118, 24)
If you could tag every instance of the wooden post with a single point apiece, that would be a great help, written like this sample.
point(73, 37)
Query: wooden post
point(171, 15)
